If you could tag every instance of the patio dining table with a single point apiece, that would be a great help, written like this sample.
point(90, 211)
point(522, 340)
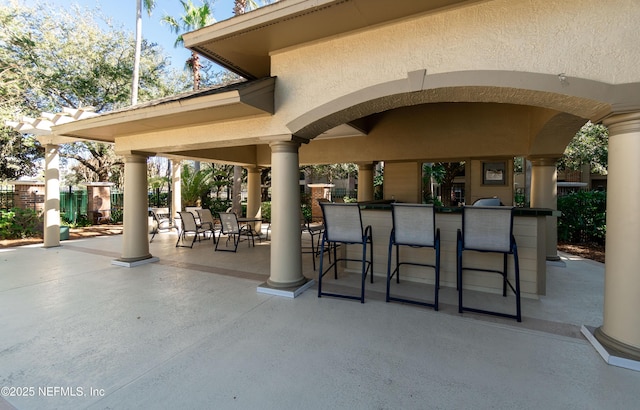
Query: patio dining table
point(246, 221)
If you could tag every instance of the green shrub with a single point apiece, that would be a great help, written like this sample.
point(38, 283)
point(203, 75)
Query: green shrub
point(117, 215)
point(265, 211)
point(216, 205)
point(20, 223)
point(583, 217)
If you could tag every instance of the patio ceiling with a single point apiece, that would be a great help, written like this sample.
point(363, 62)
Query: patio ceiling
point(197, 107)
point(243, 44)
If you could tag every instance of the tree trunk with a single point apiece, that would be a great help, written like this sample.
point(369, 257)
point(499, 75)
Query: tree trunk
point(237, 190)
point(136, 61)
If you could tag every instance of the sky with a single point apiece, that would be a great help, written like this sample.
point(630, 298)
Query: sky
point(123, 13)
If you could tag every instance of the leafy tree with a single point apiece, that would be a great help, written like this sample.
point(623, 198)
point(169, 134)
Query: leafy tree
point(443, 174)
point(330, 171)
point(93, 162)
point(62, 68)
point(431, 174)
point(452, 170)
point(589, 146)
point(378, 182)
point(52, 58)
point(18, 154)
point(221, 177)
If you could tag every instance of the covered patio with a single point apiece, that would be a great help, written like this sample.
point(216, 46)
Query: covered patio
point(476, 81)
point(191, 332)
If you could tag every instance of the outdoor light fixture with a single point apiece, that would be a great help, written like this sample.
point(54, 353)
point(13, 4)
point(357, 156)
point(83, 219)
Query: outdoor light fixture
point(563, 79)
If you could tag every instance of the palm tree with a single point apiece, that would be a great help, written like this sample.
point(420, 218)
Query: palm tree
point(242, 6)
point(195, 185)
point(194, 18)
point(149, 5)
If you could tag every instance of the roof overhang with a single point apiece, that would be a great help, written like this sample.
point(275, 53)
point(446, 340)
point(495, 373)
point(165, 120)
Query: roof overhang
point(243, 43)
point(241, 100)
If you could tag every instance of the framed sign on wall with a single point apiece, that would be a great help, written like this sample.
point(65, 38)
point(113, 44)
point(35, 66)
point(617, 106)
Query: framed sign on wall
point(494, 173)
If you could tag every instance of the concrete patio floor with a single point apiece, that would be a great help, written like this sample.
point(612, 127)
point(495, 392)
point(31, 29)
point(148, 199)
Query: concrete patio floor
point(191, 331)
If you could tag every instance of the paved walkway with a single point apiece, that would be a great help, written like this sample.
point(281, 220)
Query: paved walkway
point(192, 332)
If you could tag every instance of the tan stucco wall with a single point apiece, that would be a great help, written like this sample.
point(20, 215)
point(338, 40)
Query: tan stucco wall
point(222, 134)
point(575, 37)
point(402, 181)
point(436, 132)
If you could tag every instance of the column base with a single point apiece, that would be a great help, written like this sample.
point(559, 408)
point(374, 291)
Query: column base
point(132, 263)
point(553, 258)
point(612, 355)
point(613, 345)
point(289, 291)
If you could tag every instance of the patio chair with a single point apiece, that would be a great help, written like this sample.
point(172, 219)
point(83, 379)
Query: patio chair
point(161, 221)
point(315, 231)
point(488, 229)
point(207, 222)
point(189, 225)
point(414, 225)
point(343, 224)
point(233, 231)
point(194, 210)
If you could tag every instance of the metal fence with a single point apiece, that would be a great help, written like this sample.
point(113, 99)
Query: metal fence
point(566, 188)
point(340, 193)
point(73, 205)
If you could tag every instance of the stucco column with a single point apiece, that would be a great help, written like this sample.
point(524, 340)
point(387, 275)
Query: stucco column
point(620, 330)
point(286, 250)
point(176, 188)
point(135, 239)
point(52, 196)
point(253, 194)
point(544, 194)
point(365, 182)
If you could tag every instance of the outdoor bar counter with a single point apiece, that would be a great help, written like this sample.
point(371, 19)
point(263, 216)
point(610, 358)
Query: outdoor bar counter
point(529, 227)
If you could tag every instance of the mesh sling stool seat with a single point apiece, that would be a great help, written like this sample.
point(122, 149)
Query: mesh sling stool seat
point(343, 224)
point(489, 229)
point(414, 225)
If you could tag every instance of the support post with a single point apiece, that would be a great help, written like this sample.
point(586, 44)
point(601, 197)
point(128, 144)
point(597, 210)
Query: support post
point(135, 233)
point(365, 182)
point(544, 194)
point(52, 196)
point(253, 195)
point(620, 331)
point(176, 189)
point(286, 247)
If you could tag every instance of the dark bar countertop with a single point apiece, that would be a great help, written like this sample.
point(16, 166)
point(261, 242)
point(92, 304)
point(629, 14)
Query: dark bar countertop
point(386, 205)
